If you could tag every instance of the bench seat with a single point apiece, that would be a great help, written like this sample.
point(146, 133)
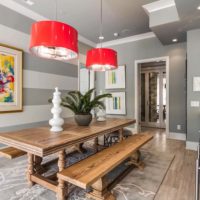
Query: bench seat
point(86, 172)
point(11, 152)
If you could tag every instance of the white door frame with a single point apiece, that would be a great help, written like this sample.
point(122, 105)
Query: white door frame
point(137, 103)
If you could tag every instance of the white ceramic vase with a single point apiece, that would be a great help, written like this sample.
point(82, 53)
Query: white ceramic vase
point(56, 122)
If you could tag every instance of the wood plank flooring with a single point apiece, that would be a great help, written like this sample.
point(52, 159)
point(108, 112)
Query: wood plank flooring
point(179, 182)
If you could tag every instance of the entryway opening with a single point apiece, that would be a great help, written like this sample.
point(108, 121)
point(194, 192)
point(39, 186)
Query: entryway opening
point(152, 93)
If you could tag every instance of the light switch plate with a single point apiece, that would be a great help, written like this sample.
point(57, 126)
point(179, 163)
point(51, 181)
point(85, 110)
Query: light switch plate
point(178, 127)
point(194, 103)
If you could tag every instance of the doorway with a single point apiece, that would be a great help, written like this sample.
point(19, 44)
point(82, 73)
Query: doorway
point(153, 85)
point(153, 94)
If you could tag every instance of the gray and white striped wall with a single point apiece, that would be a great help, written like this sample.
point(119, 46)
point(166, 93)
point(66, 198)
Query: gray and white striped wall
point(40, 76)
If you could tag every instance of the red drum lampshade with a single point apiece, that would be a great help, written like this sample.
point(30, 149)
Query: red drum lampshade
point(54, 40)
point(101, 59)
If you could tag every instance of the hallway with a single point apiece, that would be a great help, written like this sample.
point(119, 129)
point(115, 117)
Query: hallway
point(179, 182)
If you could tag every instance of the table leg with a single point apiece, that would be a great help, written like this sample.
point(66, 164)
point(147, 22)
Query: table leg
point(121, 134)
point(62, 187)
point(30, 169)
point(80, 148)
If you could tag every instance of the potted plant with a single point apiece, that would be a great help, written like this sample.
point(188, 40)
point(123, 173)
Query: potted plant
point(82, 105)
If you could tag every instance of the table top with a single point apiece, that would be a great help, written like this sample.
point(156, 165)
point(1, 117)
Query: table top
point(41, 142)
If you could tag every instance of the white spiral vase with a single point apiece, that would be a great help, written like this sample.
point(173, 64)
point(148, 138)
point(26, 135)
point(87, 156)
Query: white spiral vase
point(56, 122)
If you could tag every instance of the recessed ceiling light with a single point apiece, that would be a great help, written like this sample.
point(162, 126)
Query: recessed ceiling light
point(101, 37)
point(175, 40)
point(198, 8)
point(116, 34)
point(29, 2)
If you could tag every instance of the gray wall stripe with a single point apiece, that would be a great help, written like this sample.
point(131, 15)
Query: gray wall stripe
point(49, 66)
point(32, 96)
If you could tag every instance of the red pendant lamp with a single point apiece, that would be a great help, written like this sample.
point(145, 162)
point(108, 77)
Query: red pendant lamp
point(54, 40)
point(101, 59)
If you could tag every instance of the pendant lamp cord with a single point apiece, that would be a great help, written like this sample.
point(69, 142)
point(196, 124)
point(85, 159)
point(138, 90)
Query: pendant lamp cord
point(56, 16)
point(101, 25)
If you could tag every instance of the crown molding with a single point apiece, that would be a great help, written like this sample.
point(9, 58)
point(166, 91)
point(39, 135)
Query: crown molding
point(86, 41)
point(133, 38)
point(158, 5)
point(35, 16)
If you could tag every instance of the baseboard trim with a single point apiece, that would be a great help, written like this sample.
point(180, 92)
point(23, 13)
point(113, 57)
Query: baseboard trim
point(133, 130)
point(192, 145)
point(177, 136)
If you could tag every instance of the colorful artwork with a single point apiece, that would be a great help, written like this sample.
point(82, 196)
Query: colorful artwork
point(112, 79)
point(10, 79)
point(117, 104)
point(7, 78)
point(115, 79)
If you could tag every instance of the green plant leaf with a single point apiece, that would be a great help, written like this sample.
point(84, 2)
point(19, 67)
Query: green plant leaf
point(83, 104)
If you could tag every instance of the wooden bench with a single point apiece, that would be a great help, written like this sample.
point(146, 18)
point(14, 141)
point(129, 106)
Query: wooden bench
point(90, 171)
point(11, 152)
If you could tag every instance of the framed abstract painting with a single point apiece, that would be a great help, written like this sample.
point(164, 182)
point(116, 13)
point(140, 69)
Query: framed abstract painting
point(116, 79)
point(117, 104)
point(10, 79)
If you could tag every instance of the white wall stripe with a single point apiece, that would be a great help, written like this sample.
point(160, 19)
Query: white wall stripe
point(30, 114)
point(21, 40)
point(35, 16)
point(15, 38)
point(40, 80)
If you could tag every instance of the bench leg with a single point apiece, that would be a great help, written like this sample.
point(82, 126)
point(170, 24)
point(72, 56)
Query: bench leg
point(62, 186)
point(136, 160)
point(100, 192)
point(30, 169)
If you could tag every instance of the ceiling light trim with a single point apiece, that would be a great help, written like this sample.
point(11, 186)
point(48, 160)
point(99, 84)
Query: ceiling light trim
point(37, 17)
point(133, 38)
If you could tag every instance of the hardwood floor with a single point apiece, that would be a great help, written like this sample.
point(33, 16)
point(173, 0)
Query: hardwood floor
point(179, 182)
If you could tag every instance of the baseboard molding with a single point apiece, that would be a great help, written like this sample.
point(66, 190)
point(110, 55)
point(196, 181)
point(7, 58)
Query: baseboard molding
point(133, 130)
point(177, 136)
point(192, 145)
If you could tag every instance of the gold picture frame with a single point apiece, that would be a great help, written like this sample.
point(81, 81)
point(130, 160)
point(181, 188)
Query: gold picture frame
point(11, 77)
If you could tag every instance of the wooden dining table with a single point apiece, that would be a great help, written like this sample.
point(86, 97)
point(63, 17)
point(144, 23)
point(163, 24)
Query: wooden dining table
point(41, 142)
